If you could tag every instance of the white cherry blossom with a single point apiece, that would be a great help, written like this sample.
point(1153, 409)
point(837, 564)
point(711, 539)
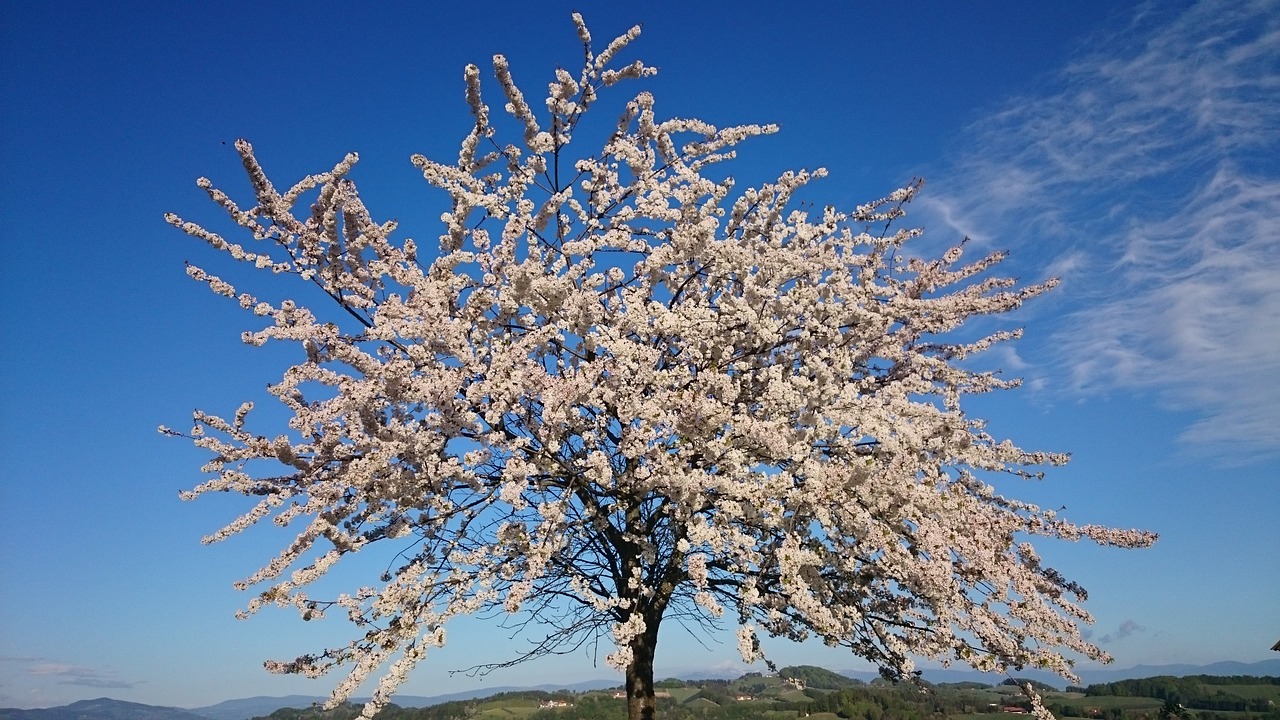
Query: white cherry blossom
point(621, 391)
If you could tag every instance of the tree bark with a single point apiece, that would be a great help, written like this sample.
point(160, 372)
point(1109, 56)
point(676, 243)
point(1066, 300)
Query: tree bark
point(641, 702)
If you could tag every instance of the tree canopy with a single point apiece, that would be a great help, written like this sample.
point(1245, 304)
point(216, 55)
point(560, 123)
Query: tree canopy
point(621, 390)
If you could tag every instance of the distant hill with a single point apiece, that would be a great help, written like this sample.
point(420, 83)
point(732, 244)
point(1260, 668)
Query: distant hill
point(246, 708)
point(101, 709)
point(1258, 669)
point(819, 678)
point(261, 706)
point(1090, 676)
point(258, 706)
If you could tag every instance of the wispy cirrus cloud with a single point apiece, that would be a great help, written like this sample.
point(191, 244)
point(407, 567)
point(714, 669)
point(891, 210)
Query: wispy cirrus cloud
point(1145, 174)
point(66, 674)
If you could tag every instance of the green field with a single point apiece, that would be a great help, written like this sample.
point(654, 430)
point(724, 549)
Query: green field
point(681, 695)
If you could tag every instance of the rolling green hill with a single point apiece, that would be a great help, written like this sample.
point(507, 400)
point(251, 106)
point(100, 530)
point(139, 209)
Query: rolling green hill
point(825, 696)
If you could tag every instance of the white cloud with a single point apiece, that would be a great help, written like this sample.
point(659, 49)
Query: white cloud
point(1127, 628)
point(1145, 174)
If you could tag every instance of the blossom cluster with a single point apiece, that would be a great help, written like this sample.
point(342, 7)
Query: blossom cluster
point(622, 390)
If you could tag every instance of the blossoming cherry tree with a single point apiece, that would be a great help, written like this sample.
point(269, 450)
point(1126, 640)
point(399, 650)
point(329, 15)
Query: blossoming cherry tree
point(619, 390)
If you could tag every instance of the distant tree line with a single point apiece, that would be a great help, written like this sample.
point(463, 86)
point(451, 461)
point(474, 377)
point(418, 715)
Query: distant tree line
point(1197, 692)
point(1039, 686)
point(866, 703)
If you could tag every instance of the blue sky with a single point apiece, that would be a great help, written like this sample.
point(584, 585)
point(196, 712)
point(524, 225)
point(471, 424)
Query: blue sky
point(1129, 148)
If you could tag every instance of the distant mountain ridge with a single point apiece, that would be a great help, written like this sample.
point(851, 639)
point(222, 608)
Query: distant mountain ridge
point(247, 708)
point(1088, 676)
point(102, 709)
point(1091, 676)
point(1228, 667)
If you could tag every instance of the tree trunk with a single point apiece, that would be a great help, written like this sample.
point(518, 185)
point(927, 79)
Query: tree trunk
point(641, 703)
